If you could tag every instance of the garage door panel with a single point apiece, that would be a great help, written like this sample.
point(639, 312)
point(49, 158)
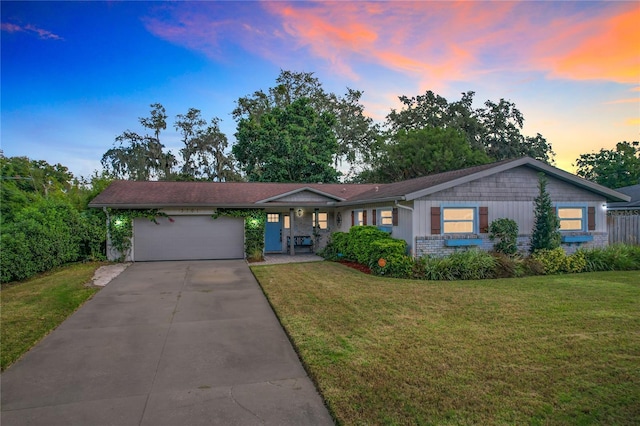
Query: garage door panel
point(188, 238)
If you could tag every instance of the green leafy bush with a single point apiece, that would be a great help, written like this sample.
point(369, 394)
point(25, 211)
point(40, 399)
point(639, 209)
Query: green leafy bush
point(556, 261)
point(356, 245)
point(395, 265)
point(463, 265)
point(505, 231)
point(361, 239)
point(617, 257)
point(336, 247)
point(46, 234)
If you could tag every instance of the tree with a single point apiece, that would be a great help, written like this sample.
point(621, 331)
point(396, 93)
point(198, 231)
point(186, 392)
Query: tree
point(290, 144)
point(420, 152)
point(495, 128)
point(355, 133)
point(612, 168)
point(203, 153)
point(141, 157)
point(546, 234)
point(24, 181)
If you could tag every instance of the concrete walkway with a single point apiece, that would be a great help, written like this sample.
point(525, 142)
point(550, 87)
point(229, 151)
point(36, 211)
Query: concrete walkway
point(166, 343)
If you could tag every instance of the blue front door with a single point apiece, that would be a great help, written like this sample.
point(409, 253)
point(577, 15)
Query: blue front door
point(273, 233)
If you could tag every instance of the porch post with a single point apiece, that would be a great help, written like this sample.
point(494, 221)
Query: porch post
point(291, 233)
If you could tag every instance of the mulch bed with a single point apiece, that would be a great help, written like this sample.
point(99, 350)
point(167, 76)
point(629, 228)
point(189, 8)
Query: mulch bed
point(357, 266)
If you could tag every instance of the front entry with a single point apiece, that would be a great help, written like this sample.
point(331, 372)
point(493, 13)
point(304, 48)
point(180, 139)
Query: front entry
point(273, 233)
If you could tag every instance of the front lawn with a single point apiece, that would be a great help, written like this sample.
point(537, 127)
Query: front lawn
point(561, 349)
point(31, 309)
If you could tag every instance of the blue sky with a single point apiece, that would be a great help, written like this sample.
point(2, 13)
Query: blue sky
point(77, 74)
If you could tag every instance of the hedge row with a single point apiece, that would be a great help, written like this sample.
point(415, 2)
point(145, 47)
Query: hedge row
point(47, 234)
point(367, 245)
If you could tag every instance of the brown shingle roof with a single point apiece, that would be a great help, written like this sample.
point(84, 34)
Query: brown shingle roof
point(399, 189)
point(143, 194)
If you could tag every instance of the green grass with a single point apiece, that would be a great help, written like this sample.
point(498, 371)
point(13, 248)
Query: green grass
point(538, 350)
point(32, 308)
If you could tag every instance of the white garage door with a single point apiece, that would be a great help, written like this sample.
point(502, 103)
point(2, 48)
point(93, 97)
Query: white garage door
point(188, 238)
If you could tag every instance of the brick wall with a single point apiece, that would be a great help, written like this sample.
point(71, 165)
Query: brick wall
point(434, 245)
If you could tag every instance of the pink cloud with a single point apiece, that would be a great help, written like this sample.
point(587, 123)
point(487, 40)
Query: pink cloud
point(595, 48)
point(42, 33)
point(432, 43)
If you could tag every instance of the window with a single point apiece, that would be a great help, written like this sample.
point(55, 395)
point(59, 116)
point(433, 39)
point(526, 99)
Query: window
point(321, 219)
point(571, 218)
point(459, 220)
point(358, 217)
point(385, 218)
point(287, 222)
point(273, 217)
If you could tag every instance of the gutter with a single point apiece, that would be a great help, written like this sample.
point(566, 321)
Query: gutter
point(404, 207)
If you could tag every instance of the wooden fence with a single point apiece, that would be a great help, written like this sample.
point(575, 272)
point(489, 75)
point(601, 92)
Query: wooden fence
point(624, 226)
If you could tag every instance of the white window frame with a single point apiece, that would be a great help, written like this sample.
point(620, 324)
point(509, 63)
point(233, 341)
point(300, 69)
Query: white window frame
point(323, 224)
point(583, 218)
point(286, 223)
point(385, 220)
point(473, 221)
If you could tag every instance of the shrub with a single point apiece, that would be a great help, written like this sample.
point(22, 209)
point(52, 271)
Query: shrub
point(336, 247)
point(395, 265)
point(357, 245)
point(360, 242)
point(556, 261)
point(617, 257)
point(384, 249)
point(463, 265)
point(509, 266)
point(42, 236)
point(505, 231)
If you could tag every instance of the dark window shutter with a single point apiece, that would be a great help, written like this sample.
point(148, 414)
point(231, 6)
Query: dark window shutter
point(435, 221)
point(591, 218)
point(394, 216)
point(353, 219)
point(364, 217)
point(484, 219)
point(374, 217)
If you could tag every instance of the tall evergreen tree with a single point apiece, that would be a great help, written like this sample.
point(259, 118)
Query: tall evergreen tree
point(546, 234)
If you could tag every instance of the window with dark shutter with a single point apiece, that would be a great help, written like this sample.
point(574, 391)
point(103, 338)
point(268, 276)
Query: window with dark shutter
point(591, 218)
point(483, 213)
point(435, 221)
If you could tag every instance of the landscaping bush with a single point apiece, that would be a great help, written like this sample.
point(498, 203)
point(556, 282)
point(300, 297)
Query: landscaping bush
point(394, 265)
point(360, 243)
point(463, 265)
point(42, 236)
point(336, 246)
point(505, 231)
point(356, 245)
point(617, 257)
point(509, 266)
point(384, 249)
point(556, 261)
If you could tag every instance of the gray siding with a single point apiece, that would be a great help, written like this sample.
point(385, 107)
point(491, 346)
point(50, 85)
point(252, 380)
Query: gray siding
point(508, 195)
point(304, 197)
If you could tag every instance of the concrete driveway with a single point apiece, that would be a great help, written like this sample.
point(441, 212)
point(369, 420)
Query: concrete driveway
point(166, 343)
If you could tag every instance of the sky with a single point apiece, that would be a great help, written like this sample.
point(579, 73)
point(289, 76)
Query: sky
point(74, 75)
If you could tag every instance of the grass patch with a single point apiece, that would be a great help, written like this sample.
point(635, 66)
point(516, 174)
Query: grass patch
point(32, 308)
point(537, 350)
